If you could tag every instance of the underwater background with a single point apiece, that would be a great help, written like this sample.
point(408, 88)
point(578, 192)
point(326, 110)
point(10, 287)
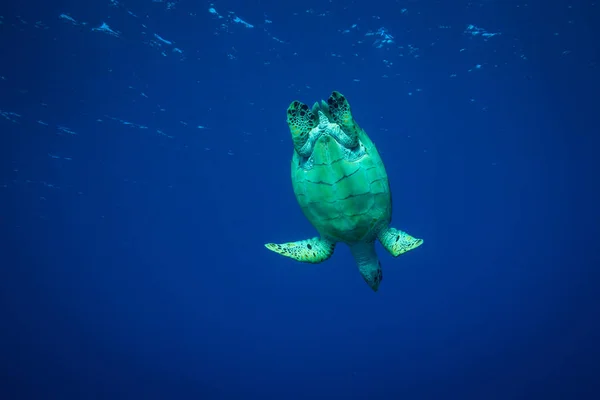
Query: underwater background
point(145, 162)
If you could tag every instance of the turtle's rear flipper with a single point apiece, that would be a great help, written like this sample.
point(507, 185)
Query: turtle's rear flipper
point(300, 120)
point(313, 250)
point(339, 108)
point(398, 242)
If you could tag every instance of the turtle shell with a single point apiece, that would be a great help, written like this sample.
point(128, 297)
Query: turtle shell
point(344, 193)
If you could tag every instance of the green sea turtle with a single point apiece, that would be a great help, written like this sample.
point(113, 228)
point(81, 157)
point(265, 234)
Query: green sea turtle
point(342, 187)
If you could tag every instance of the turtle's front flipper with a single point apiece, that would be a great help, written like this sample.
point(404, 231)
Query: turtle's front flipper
point(398, 242)
point(313, 250)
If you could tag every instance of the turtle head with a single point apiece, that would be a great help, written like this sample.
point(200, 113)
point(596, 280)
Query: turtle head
point(332, 118)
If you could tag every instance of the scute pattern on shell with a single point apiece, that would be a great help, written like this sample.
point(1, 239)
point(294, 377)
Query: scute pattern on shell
point(346, 196)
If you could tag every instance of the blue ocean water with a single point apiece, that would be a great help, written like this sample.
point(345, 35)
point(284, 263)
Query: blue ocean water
point(145, 161)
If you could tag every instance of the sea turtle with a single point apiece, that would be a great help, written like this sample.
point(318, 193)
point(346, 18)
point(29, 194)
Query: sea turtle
point(342, 187)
